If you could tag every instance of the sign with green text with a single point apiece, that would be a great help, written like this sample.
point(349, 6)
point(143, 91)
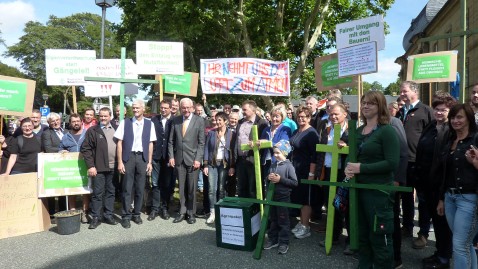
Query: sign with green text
point(327, 74)
point(16, 96)
point(68, 67)
point(62, 174)
point(186, 84)
point(432, 67)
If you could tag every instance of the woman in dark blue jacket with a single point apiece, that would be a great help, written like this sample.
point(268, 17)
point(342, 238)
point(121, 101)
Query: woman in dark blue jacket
point(216, 160)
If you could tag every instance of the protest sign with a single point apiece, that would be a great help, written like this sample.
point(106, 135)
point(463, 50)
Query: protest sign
point(109, 68)
point(358, 60)
point(327, 74)
point(159, 58)
point(16, 96)
point(432, 67)
point(68, 67)
point(62, 174)
point(361, 31)
point(186, 84)
point(21, 212)
point(245, 76)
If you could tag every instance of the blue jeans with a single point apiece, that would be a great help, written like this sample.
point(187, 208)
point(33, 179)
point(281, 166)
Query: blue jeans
point(200, 181)
point(217, 176)
point(460, 211)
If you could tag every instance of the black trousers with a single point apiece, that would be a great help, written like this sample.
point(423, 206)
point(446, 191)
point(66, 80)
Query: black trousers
point(246, 178)
point(135, 175)
point(408, 204)
point(279, 222)
point(103, 186)
point(443, 234)
point(161, 179)
point(397, 232)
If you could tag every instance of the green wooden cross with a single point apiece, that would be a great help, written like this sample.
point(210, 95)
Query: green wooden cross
point(122, 80)
point(268, 203)
point(353, 201)
point(257, 162)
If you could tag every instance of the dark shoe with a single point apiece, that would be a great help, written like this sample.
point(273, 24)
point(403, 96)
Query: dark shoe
point(137, 220)
point(269, 244)
point(191, 220)
point(179, 218)
point(125, 223)
point(437, 265)
point(420, 242)
point(110, 220)
point(201, 213)
point(95, 222)
point(165, 214)
point(432, 259)
point(153, 215)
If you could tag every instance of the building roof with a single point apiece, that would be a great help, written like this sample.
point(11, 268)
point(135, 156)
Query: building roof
point(418, 24)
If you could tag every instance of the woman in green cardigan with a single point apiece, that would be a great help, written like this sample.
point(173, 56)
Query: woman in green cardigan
point(378, 157)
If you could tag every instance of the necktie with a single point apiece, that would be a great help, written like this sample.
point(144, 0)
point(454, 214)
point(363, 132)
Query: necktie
point(184, 126)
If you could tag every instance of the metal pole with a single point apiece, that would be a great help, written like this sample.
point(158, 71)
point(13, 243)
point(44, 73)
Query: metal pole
point(462, 52)
point(103, 8)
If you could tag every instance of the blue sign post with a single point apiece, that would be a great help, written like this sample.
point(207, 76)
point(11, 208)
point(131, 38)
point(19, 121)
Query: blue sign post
point(44, 111)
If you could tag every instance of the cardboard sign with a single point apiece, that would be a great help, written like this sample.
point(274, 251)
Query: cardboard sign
point(358, 60)
point(62, 174)
point(16, 96)
point(245, 76)
point(361, 31)
point(432, 67)
point(186, 84)
point(159, 58)
point(21, 212)
point(68, 67)
point(327, 74)
point(110, 68)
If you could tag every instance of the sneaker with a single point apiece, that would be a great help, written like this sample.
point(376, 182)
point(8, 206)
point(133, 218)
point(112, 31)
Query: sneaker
point(211, 218)
point(420, 242)
point(303, 232)
point(348, 251)
point(84, 217)
point(297, 227)
point(397, 264)
point(269, 244)
point(283, 249)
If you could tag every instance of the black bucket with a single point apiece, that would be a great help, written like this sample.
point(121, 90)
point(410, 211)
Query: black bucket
point(68, 222)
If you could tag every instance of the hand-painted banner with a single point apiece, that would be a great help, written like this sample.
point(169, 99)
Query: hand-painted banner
point(245, 76)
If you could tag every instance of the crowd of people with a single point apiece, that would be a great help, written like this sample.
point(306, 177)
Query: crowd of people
point(198, 147)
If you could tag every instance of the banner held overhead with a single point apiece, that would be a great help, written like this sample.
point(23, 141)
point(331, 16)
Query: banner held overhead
point(361, 31)
point(68, 67)
point(154, 58)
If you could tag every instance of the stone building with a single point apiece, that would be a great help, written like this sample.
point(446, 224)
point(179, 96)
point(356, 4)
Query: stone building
point(438, 19)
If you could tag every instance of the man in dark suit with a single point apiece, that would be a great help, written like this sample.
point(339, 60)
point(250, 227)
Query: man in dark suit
point(186, 151)
point(244, 160)
point(162, 172)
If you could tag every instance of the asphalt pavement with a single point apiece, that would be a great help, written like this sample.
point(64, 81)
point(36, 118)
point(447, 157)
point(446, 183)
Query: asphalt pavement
point(164, 244)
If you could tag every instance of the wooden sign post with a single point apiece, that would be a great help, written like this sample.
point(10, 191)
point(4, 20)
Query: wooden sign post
point(257, 162)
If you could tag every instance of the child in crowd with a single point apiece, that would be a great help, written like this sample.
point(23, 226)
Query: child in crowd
point(282, 174)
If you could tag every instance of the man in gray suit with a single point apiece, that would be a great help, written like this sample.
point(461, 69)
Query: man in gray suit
point(186, 151)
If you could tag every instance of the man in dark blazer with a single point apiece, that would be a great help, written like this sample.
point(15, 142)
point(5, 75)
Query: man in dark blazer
point(50, 140)
point(162, 172)
point(243, 161)
point(186, 151)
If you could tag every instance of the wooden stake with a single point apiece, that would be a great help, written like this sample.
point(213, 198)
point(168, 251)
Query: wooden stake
point(73, 91)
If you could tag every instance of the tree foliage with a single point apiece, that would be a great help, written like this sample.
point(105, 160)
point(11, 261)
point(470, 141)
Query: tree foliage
point(80, 31)
point(297, 30)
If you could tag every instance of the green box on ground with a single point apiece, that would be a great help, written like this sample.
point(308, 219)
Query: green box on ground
point(237, 225)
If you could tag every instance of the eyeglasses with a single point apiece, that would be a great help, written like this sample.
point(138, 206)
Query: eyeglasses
point(302, 117)
point(442, 111)
point(364, 103)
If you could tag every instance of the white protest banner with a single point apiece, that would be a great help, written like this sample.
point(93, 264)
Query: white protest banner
point(62, 174)
point(110, 68)
point(361, 31)
point(159, 57)
point(357, 60)
point(68, 67)
point(245, 76)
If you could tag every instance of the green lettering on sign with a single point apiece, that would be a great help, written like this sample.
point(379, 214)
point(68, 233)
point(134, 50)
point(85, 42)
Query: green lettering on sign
point(178, 84)
point(437, 66)
point(330, 74)
point(13, 95)
point(65, 174)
